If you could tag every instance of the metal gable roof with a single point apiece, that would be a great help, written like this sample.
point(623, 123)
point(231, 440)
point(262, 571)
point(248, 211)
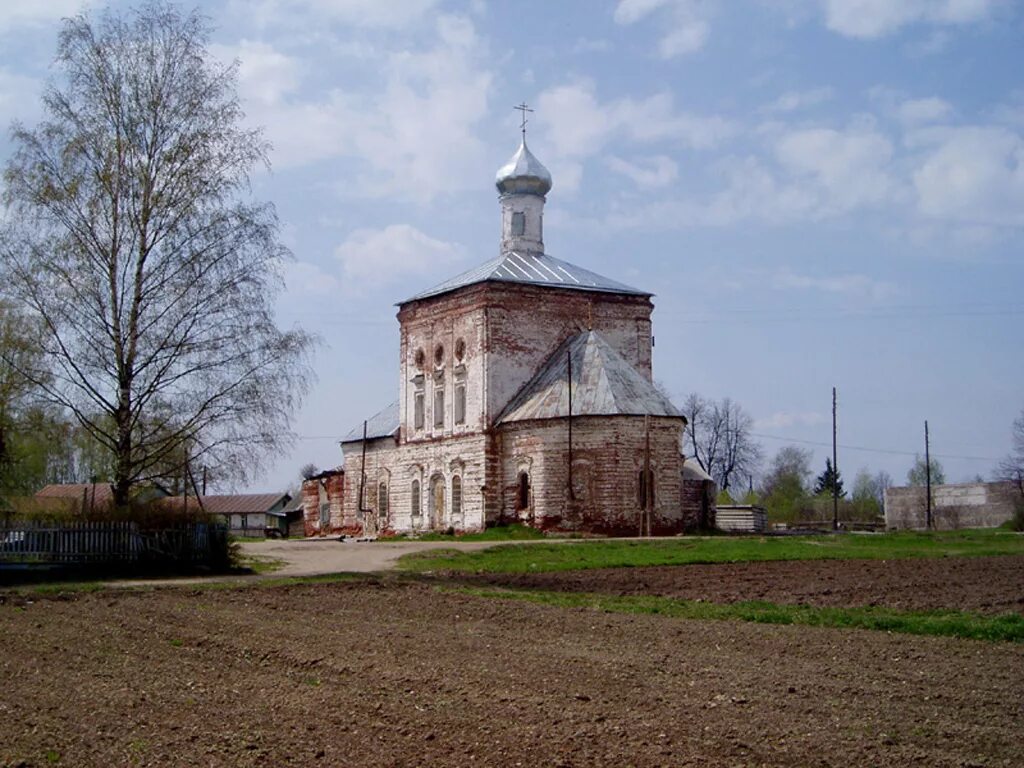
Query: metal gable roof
point(604, 383)
point(382, 424)
point(534, 269)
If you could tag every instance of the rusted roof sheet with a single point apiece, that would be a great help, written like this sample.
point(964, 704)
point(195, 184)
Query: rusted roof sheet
point(231, 504)
point(532, 269)
point(382, 424)
point(104, 492)
point(604, 383)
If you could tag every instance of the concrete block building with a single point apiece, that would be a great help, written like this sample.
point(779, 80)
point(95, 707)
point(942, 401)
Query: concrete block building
point(525, 394)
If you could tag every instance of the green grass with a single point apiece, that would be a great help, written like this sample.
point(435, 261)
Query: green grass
point(583, 555)
point(1007, 627)
point(515, 532)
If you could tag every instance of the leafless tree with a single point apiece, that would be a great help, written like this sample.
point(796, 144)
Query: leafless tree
point(133, 240)
point(718, 437)
point(1011, 469)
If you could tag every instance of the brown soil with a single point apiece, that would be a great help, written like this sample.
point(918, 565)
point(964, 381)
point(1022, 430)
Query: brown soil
point(982, 584)
point(397, 673)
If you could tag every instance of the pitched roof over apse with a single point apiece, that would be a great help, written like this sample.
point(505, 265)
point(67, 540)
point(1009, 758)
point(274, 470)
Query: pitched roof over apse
point(382, 424)
point(604, 384)
point(532, 269)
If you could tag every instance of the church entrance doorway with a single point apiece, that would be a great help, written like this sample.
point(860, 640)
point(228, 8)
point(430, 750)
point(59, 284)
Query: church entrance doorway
point(436, 502)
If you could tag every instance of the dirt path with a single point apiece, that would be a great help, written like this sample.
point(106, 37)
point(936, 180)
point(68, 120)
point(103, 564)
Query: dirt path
point(317, 557)
point(386, 673)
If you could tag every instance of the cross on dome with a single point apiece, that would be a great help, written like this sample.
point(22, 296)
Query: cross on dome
point(523, 109)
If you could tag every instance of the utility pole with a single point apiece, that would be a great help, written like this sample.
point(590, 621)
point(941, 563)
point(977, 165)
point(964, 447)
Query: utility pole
point(927, 478)
point(648, 484)
point(568, 356)
point(835, 468)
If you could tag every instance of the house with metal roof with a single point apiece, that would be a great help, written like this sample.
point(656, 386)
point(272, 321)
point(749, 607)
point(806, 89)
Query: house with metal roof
point(525, 394)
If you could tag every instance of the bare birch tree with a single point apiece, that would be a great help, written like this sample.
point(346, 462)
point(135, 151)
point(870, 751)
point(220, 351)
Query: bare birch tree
point(132, 238)
point(718, 436)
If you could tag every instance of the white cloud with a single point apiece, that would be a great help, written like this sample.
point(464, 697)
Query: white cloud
point(265, 74)
point(304, 278)
point(374, 257)
point(869, 19)
point(847, 169)
point(928, 110)
point(579, 125)
point(848, 285)
point(792, 101)
point(16, 13)
point(687, 27)
point(972, 175)
point(806, 175)
point(784, 419)
point(648, 173)
point(414, 130)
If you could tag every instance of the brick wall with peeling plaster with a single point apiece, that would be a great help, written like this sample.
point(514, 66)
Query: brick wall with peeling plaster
point(495, 336)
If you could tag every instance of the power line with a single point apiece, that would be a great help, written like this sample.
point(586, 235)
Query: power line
point(865, 449)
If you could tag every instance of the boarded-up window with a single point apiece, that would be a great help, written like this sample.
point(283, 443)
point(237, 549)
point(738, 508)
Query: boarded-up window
point(645, 485)
point(456, 495)
point(418, 408)
point(460, 402)
point(523, 491)
point(439, 408)
point(325, 513)
point(382, 500)
point(415, 498)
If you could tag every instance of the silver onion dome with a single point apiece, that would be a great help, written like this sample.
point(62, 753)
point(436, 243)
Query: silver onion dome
point(523, 174)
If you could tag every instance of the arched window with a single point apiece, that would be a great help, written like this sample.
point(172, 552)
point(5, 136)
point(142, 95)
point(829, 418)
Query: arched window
point(523, 491)
point(415, 498)
point(382, 500)
point(645, 485)
point(456, 495)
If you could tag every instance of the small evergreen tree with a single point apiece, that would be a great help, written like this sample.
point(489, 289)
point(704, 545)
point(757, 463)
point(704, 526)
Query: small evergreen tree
point(828, 481)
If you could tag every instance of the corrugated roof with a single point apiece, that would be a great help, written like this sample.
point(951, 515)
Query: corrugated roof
point(604, 383)
point(533, 269)
point(229, 504)
point(104, 492)
point(382, 424)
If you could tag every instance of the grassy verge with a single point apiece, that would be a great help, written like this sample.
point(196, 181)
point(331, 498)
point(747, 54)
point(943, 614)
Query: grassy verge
point(514, 532)
point(1002, 628)
point(583, 555)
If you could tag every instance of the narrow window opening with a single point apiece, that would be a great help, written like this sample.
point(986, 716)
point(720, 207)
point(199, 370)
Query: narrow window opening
point(382, 500)
point(439, 408)
point(518, 223)
point(415, 498)
point(456, 496)
point(523, 491)
point(325, 513)
point(645, 485)
point(418, 409)
point(460, 402)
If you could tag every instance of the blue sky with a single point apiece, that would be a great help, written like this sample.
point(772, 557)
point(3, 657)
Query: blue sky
point(820, 192)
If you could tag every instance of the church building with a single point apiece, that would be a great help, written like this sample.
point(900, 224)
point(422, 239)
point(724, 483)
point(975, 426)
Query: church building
point(525, 395)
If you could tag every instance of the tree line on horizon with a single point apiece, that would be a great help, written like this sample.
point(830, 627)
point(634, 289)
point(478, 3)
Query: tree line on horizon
point(719, 438)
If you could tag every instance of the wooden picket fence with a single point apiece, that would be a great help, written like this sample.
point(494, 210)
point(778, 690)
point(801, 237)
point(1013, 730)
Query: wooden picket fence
point(113, 542)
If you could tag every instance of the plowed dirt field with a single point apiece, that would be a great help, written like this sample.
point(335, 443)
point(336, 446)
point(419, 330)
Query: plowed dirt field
point(981, 584)
point(395, 672)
